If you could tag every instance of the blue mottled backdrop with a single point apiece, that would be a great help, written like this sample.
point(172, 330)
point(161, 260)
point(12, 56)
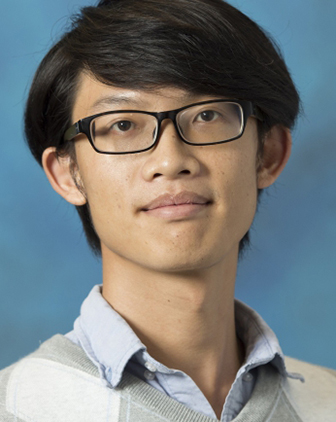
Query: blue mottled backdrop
point(46, 269)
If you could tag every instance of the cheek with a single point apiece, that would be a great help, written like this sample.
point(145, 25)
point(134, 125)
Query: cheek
point(107, 184)
point(236, 189)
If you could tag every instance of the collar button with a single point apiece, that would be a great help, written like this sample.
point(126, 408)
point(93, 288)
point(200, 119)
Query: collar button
point(150, 366)
point(248, 377)
point(149, 375)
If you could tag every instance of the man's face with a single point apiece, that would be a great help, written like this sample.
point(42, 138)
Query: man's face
point(130, 196)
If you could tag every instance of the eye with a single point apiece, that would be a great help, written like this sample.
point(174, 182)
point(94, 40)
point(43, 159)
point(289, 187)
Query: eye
point(207, 116)
point(122, 126)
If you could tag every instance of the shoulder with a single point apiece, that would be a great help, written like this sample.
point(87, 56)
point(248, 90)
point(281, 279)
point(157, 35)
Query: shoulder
point(295, 365)
point(315, 398)
point(31, 388)
point(58, 351)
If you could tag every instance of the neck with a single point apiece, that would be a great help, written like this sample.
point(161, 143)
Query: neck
point(182, 318)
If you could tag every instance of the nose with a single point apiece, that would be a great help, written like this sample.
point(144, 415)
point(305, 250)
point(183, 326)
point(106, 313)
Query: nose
point(171, 158)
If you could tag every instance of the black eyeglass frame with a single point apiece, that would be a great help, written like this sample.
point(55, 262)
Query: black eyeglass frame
point(84, 125)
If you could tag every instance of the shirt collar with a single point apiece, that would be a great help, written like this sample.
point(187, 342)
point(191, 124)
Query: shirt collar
point(105, 336)
point(110, 342)
point(261, 344)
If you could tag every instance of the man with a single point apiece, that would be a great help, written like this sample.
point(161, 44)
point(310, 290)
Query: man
point(162, 122)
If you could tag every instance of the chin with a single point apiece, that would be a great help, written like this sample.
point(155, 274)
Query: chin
point(184, 262)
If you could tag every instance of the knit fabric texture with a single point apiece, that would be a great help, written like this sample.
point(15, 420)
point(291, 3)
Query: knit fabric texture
point(58, 382)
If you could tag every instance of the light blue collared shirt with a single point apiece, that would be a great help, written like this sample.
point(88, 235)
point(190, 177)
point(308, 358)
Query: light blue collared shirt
point(113, 347)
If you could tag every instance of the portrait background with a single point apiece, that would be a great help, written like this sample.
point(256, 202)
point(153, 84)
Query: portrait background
point(288, 276)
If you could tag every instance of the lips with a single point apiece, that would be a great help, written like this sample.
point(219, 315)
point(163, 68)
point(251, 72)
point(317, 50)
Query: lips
point(182, 198)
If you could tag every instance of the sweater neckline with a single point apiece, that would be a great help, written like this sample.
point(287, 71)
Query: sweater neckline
point(262, 405)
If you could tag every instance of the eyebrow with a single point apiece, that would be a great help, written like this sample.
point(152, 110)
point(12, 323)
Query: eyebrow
point(120, 100)
point(114, 100)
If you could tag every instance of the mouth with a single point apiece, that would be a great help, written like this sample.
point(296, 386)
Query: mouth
point(183, 204)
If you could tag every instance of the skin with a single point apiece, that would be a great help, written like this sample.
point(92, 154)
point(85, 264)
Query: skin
point(171, 274)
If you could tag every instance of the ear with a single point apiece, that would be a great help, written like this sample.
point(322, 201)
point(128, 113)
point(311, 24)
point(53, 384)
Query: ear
point(60, 176)
point(276, 152)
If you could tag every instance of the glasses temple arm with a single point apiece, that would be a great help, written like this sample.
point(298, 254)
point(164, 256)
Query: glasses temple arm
point(72, 132)
point(257, 114)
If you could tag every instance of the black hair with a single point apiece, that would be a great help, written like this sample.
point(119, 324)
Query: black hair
point(203, 46)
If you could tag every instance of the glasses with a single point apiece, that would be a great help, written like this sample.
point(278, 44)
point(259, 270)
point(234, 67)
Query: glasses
point(133, 131)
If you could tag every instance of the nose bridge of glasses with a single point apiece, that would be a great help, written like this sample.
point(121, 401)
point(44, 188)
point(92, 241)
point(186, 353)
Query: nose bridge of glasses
point(168, 115)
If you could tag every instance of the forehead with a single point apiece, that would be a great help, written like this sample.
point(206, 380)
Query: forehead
point(93, 97)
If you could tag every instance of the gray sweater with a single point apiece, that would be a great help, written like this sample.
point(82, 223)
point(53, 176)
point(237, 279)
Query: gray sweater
point(59, 383)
